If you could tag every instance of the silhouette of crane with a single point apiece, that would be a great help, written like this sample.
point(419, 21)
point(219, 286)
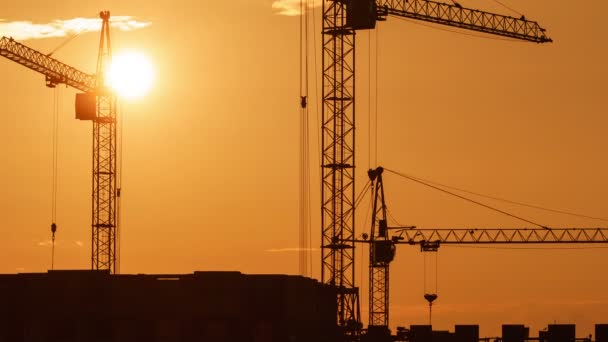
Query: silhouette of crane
point(382, 247)
point(341, 20)
point(98, 104)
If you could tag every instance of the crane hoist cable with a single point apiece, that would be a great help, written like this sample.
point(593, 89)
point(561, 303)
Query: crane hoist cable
point(377, 124)
point(369, 99)
point(372, 90)
point(304, 201)
point(54, 168)
point(317, 107)
point(119, 212)
point(431, 295)
point(55, 144)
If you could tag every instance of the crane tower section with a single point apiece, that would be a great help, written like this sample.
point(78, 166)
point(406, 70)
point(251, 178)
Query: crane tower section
point(104, 204)
point(338, 162)
point(382, 252)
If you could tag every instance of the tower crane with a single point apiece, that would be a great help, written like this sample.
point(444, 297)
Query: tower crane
point(96, 103)
point(382, 248)
point(341, 20)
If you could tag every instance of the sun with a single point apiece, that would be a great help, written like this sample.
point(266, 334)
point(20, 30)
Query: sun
point(130, 74)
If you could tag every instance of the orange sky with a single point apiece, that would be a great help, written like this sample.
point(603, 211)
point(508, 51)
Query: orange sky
point(210, 178)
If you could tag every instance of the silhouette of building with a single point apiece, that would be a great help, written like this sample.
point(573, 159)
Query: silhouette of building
point(510, 333)
point(95, 306)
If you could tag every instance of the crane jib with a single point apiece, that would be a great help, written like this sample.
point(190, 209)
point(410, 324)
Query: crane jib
point(55, 71)
point(363, 14)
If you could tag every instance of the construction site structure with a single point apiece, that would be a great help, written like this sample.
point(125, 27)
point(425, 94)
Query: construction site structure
point(510, 333)
point(96, 103)
point(341, 20)
point(382, 248)
point(96, 306)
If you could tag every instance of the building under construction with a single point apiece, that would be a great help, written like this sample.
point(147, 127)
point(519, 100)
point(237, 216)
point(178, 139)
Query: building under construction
point(70, 306)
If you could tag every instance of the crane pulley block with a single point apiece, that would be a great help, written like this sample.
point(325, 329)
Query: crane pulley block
point(361, 14)
point(86, 106)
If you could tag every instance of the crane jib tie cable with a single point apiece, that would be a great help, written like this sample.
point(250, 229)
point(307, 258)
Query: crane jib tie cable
point(466, 198)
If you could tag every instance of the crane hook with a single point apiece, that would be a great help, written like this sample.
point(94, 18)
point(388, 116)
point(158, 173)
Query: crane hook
point(53, 230)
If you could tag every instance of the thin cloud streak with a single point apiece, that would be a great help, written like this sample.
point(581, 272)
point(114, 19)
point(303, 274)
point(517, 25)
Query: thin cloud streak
point(47, 243)
point(26, 30)
point(292, 7)
point(294, 249)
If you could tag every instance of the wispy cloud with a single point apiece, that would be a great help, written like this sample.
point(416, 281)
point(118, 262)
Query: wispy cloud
point(25, 30)
point(292, 7)
point(294, 249)
point(47, 243)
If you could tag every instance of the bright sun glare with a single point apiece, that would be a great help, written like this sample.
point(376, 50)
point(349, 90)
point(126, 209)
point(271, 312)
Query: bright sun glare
point(130, 74)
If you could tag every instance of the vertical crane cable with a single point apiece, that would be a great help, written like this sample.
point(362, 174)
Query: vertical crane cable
point(373, 98)
point(309, 8)
point(436, 274)
point(119, 185)
point(317, 108)
point(426, 289)
point(369, 99)
point(377, 31)
point(301, 270)
point(55, 144)
point(424, 271)
point(304, 201)
point(425, 292)
point(307, 147)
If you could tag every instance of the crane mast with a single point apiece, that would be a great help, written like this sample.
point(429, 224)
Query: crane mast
point(105, 192)
point(97, 103)
point(338, 163)
point(381, 253)
point(341, 20)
